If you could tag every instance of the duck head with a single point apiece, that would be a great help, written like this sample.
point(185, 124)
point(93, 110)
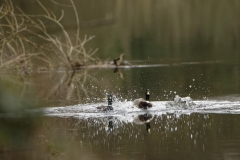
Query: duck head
point(109, 99)
point(109, 106)
point(147, 94)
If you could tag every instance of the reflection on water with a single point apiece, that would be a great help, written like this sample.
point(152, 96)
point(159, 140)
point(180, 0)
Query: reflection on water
point(199, 81)
point(172, 136)
point(194, 136)
point(144, 119)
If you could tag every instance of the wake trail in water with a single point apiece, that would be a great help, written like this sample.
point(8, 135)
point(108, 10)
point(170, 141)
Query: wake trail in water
point(126, 110)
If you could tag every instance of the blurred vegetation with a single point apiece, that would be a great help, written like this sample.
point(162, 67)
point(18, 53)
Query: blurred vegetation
point(22, 129)
point(189, 30)
point(183, 30)
point(16, 124)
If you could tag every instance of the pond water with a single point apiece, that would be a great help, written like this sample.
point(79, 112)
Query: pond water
point(203, 124)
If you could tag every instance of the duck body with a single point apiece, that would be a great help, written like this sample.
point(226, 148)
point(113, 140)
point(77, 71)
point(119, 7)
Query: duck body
point(105, 108)
point(108, 107)
point(143, 104)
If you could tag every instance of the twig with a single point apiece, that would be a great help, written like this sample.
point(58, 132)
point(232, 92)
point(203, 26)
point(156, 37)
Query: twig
point(77, 19)
point(64, 5)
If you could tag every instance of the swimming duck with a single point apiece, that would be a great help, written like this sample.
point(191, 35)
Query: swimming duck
point(118, 61)
point(143, 104)
point(109, 106)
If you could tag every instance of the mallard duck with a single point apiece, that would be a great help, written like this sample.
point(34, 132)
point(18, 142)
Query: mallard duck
point(109, 106)
point(143, 104)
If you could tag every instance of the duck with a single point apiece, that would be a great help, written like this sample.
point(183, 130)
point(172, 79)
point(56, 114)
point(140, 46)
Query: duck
point(143, 104)
point(109, 106)
point(118, 61)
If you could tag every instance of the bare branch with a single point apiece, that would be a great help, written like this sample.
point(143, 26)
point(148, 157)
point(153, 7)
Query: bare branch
point(64, 5)
point(44, 8)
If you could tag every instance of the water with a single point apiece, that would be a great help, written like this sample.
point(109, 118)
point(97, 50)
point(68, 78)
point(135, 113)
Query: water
point(197, 118)
point(199, 81)
point(188, 50)
point(203, 130)
point(195, 114)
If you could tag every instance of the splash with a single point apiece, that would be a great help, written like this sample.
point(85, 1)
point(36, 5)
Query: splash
point(181, 102)
point(126, 110)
